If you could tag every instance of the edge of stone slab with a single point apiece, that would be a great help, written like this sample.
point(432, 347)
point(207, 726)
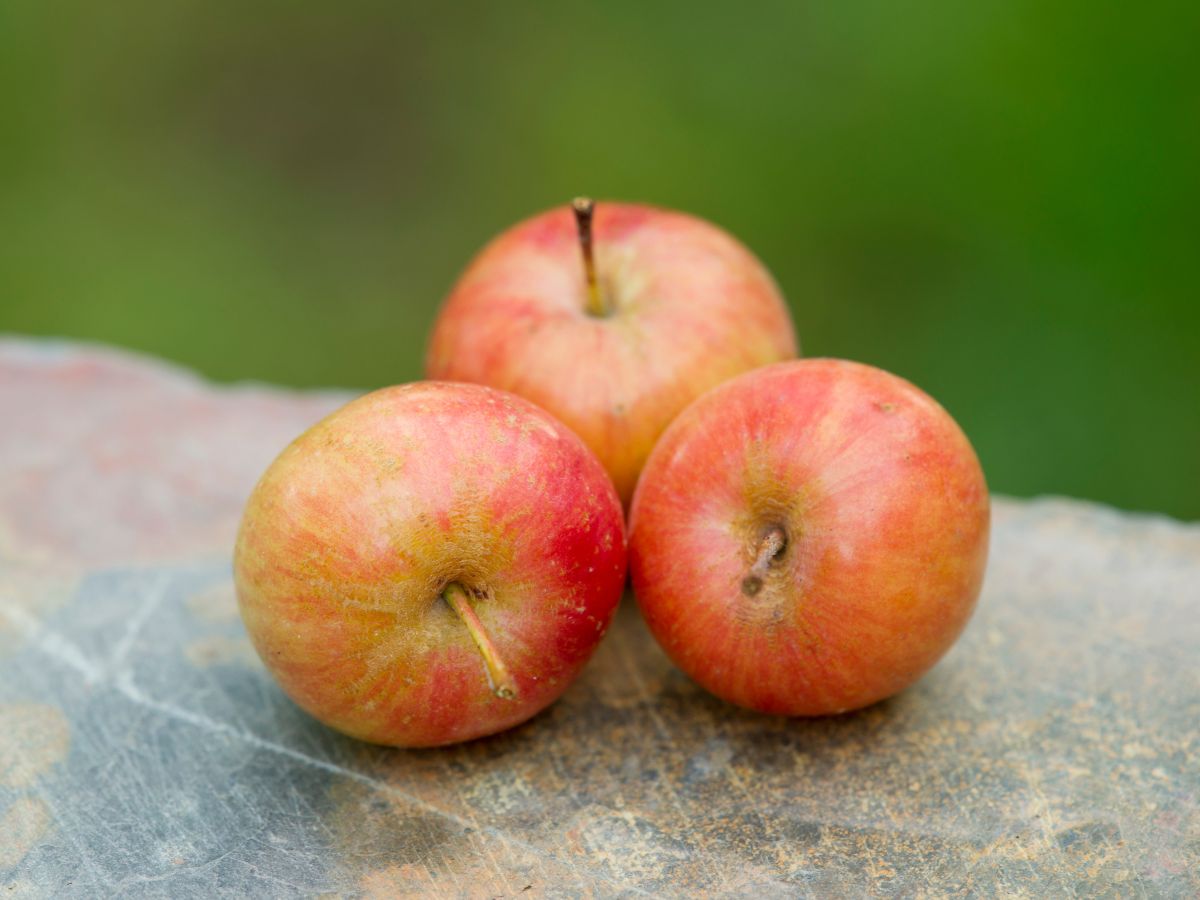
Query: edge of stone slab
point(1005, 507)
point(54, 351)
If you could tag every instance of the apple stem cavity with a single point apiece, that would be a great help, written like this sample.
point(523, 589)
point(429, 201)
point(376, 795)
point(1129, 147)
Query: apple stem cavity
point(584, 207)
point(769, 548)
point(498, 678)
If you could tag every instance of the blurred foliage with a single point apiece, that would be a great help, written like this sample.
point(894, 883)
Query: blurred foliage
point(995, 199)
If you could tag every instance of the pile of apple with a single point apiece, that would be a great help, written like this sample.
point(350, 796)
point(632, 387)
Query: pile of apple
point(437, 561)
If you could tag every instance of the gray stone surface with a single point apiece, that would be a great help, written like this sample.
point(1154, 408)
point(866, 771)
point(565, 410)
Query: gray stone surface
point(145, 752)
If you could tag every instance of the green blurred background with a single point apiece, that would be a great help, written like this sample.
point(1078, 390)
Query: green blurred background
point(997, 200)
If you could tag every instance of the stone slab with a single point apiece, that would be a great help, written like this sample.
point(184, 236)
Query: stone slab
point(144, 752)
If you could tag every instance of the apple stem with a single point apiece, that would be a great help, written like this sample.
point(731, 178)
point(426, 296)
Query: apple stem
point(584, 207)
point(772, 543)
point(498, 678)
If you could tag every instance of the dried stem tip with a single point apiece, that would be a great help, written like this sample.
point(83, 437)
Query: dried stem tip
point(771, 546)
point(584, 208)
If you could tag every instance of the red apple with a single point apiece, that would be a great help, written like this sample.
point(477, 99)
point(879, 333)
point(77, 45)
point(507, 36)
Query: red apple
point(430, 563)
point(810, 537)
point(613, 326)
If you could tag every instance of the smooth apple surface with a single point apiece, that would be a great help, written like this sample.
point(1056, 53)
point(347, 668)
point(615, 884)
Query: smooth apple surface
point(685, 307)
point(809, 538)
point(431, 563)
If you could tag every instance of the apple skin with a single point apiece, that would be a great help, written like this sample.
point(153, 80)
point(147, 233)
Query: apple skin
point(886, 517)
point(691, 307)
point(354, 531)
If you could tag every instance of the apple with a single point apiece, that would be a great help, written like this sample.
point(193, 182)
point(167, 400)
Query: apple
point(613, 318)
point(431, 563)
point(809, 538)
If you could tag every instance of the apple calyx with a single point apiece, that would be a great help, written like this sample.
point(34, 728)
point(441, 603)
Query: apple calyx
point(501, 683)
point(772, 544)
point(584, 207)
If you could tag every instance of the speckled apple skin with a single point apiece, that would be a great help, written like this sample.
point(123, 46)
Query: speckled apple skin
point(351, 535)
point(692, 307)
point(887, 516)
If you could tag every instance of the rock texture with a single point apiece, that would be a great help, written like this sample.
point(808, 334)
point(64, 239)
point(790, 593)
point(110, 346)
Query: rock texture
point(144, 751)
